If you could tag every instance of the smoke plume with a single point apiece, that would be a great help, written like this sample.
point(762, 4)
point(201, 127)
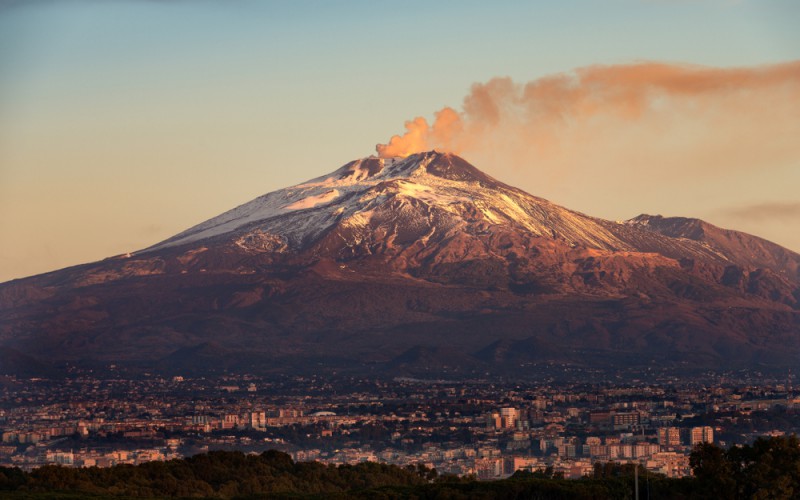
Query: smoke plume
point(679, 118)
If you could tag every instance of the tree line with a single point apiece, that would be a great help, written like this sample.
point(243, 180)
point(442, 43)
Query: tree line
point(767, 469)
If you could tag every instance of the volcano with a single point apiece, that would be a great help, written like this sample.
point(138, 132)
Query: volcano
point(415, 265)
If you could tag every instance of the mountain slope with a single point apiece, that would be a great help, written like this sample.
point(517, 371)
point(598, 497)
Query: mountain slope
point(405, 188)
point(390, 263)
point(733, 246)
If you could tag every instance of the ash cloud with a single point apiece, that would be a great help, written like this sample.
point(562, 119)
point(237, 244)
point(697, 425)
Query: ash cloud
point(683, 119)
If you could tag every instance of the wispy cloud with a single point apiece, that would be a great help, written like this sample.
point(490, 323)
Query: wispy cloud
point(765, 211)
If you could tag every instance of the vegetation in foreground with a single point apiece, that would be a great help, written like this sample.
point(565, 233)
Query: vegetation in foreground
point(768, 469)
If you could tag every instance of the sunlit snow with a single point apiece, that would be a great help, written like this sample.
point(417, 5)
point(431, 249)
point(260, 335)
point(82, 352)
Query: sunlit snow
point(400, 189)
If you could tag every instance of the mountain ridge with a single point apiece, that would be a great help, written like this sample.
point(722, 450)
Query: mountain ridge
point(418, 255)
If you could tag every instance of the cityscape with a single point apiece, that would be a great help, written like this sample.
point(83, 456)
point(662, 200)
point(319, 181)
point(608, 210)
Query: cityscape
point(486, 429)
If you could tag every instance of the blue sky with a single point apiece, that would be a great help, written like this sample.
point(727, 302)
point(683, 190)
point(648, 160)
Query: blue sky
point(123, 122)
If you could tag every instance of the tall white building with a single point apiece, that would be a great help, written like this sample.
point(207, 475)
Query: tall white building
point(701, 435)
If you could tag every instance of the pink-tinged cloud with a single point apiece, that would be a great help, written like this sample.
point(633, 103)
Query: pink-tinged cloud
point(670, 118)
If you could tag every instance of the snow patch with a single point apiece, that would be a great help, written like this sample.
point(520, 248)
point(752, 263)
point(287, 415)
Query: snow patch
point(426, 193)
point(313, 201)
point(359, 219)
point(490, 216)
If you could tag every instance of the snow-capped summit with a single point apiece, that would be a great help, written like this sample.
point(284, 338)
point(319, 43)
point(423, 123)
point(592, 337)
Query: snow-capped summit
point(373, 191)
point(398, 206)
point(417, 263)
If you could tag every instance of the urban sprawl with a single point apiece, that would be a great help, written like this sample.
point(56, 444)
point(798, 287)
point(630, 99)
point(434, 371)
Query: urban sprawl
point(485, 428)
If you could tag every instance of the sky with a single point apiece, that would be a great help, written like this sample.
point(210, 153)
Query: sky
point(123, 122)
